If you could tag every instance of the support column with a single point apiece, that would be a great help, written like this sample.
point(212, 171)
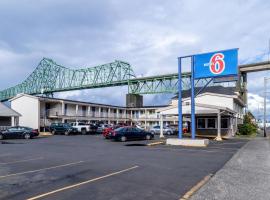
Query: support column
point(125, 115)
point(161, 135)
point(219, 138)
point(76, 112)
point(63, 108)
point(99, 112)
point(13, 121)
point(117, 115)
point(109, 115)
point(231, 126)
point(145, 118)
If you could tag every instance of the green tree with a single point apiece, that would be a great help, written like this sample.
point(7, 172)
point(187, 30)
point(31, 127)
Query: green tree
point(249, 126)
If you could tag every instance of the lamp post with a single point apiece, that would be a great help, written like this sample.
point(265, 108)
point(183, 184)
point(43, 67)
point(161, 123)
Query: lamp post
point(264, 107)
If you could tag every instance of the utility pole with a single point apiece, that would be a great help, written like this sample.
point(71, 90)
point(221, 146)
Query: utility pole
point(264, 107)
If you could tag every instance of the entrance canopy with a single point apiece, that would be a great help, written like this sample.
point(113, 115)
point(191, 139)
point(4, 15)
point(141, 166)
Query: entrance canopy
point(201, 110)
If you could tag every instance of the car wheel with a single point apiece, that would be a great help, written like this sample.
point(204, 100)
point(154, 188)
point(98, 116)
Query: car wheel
point(168, 132)
point(66, 133)
point(83, 132)
point(123, 138)
point(27, 136)
point(148, 137)
point(53, 132)
point(1, 137)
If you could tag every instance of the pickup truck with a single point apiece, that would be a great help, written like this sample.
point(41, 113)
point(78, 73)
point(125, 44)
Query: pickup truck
point(84, 128)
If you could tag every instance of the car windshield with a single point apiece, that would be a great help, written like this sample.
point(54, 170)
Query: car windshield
point(66, 125)
point(120, 129)
point(137, 130)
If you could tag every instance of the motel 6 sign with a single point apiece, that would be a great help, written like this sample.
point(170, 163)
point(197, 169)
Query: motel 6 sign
point(216, 64)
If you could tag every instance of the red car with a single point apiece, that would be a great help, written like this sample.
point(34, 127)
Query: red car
point(108, 132)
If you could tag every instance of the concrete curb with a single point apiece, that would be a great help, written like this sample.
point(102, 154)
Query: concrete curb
point(237, 178)
point(44, 134)
point(196, 187)
point(156, 143)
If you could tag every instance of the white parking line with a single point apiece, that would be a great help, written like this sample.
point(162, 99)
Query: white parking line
point(191, 150)
point(54, 167)
point(229, 148)
point(19, 161)
point(82, 183)
point(231, 143)
point(3, 155)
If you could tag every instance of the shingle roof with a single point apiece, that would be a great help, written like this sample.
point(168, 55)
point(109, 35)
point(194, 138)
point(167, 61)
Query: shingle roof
point(212, 89)
point(7, 112)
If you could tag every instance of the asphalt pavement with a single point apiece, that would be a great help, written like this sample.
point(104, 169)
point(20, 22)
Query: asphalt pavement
point(90, 167)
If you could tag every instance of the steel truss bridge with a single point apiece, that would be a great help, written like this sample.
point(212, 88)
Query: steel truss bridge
point(50, 77)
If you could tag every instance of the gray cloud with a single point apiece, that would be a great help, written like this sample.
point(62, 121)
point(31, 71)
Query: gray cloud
point(148, 34)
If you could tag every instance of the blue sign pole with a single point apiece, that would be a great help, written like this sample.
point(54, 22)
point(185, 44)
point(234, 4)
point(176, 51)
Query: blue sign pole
point(192, 100)
point(180, 117)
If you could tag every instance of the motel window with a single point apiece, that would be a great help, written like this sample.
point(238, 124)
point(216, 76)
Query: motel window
point(211, 123)
point(201, 123)
point(224, 123)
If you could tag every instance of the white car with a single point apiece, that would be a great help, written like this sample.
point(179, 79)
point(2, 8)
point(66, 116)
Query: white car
point(166, 130)
point(81, 127)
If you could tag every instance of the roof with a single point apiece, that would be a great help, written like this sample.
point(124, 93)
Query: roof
point(211, 89)
point(82, 102)
point(7, 112)
point(200, 109)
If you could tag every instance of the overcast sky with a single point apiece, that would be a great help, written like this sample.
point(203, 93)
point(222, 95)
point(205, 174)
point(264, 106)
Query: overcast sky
point(150, 35)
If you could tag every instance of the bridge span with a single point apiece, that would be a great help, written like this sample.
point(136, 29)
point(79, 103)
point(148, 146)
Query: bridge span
point(50, 77)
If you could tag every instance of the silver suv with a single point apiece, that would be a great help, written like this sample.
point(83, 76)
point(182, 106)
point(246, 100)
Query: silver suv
point(166, 130)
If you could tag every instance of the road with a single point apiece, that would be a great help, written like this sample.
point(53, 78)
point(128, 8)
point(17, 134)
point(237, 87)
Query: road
point(90, 167)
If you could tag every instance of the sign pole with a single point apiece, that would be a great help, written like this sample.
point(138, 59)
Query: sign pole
point(192, 100)
point(180, 117)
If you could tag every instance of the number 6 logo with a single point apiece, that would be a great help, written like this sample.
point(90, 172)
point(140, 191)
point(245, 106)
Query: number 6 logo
point(217, 64)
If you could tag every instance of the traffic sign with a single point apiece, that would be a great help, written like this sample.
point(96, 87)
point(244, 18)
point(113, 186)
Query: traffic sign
point(216, 64)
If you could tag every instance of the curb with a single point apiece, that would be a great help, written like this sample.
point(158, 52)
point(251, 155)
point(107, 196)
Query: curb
point(44, 134)
point(196, 187)
point(156, 143)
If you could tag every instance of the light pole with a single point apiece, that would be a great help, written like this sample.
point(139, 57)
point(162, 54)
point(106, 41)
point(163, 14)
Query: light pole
point(264, 107)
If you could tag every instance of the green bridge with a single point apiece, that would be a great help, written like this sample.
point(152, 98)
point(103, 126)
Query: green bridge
point(49, 77)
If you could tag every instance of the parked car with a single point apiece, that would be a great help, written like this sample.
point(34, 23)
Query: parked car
point(84, 128)
point(62, 128)
point(108, 132)
point(131, 133)
point(166, 130)
point(19, 132)
point(102, 127)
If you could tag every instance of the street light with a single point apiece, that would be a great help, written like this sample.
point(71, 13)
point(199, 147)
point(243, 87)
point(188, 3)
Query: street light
point(264, 107)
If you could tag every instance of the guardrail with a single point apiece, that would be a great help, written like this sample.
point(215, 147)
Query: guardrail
point(2, 128)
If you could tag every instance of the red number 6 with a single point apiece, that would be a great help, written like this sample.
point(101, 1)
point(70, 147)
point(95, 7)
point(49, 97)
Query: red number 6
point(217, 64)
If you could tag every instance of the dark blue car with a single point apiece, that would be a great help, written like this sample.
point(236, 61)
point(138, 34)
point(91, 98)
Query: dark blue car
point(18, 132)
point(131, 133)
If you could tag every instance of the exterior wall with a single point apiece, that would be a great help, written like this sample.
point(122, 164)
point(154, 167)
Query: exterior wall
point(29, 108)
point(213, 131)
point(35, 113)
point(216, 101)
point(239, 110)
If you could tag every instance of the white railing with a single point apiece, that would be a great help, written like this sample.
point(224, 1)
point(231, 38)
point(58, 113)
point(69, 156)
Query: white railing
point(2, 128)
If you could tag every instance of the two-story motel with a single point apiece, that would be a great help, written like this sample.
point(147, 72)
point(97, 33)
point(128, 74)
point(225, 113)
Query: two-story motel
point(212, 103)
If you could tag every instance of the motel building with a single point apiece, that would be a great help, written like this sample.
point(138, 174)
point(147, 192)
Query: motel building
point(8, 117)
point(217, 109)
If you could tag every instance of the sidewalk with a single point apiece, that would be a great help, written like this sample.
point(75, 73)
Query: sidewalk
point(245, 176)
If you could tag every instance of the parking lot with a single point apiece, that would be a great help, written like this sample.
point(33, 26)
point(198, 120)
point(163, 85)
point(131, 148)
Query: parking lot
point(90, 167)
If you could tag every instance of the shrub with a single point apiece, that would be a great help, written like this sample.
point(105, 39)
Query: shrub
point(248, 127)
